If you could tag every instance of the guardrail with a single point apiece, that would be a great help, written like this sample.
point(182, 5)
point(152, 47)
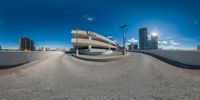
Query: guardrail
point(15, 58)
point(185, 59)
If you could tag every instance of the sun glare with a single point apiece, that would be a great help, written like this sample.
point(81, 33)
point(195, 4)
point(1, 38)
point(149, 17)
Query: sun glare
point(154, 34)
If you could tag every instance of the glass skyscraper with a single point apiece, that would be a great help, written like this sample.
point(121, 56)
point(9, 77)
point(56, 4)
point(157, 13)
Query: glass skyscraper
point(154, 41)
point(144, 42)
point(143, 38)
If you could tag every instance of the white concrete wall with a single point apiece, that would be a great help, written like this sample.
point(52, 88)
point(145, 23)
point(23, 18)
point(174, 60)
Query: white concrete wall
point(96, 52)
point(185, 57)
point(15, 58)
point(86, 42)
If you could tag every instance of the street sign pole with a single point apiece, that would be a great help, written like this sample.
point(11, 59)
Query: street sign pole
point(124, 39)
point(77, 52)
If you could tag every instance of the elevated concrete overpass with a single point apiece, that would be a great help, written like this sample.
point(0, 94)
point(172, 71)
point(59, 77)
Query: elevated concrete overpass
point(136, 77)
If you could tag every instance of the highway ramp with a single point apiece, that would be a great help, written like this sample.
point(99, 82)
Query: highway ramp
point(63, 77)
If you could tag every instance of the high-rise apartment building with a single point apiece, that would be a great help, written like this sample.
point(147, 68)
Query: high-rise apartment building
point(26, 44)
point(154, 42)
point(143, 38)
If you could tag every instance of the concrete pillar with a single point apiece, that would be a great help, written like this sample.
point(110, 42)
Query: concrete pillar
point(77, 52)
point(90, 38)
point(109, 47)
point(90, 47)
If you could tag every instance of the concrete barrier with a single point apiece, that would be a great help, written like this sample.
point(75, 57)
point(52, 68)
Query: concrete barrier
point(14, 58)
point(186, 59)
point(101, 58)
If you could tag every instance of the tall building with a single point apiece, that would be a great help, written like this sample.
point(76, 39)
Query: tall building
point(32, 47)
point(143, 38)
point(144, 42)
point(149, 44)
point(43, 49)
point(132, 47)
point(198, 47)
point(26, 44)
point(154, 42)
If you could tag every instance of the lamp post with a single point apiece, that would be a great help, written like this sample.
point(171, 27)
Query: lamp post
point(77, 52)
point(124, 39)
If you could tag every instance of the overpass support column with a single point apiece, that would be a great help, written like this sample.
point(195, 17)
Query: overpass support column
point(90, 47)
point(109, 46)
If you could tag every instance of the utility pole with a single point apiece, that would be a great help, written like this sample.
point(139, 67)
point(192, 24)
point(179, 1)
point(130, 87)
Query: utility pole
point(77, 52)
point(124, 39)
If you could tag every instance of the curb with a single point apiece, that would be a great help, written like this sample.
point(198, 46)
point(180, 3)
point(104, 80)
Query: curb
point(114, 58)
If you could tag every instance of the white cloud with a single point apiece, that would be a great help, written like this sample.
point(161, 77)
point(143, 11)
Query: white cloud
point(149, 37)
point(127, 43)
point(162, 42)
point(172, 42)
point(194, 21)
point(110, 37)
point(115, 41)
point(132, 40)
point(89, 18)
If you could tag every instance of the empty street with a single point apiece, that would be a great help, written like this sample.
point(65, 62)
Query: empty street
point(63, 77)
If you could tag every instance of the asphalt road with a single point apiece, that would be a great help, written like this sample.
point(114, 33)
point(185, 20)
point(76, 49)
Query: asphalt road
point(136, 77)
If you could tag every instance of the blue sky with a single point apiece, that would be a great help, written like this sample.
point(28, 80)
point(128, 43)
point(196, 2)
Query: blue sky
point(49, 22)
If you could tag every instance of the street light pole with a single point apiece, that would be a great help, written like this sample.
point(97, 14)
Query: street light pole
point(124, 39)
point(77, 52)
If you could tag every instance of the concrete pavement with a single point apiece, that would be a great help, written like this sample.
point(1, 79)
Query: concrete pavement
point(136, 77)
